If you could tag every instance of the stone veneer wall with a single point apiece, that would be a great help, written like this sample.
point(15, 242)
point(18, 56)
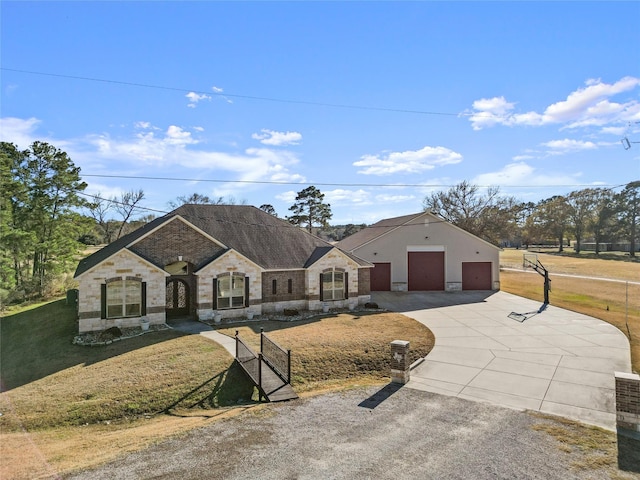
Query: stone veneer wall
point(122, 264)
point(230, 262)
point(174, 239)
point(338, 260)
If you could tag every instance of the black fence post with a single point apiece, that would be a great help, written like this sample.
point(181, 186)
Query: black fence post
point(260, 373)
point(236, 344)
point(288, 366)
point(261, 338)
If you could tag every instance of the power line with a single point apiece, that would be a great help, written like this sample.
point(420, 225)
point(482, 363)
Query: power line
point(332, 184)
point(246, 97)
point(234, 222)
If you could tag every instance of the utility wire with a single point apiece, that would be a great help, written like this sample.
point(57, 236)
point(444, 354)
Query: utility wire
point(331, 184)
point(246, 97)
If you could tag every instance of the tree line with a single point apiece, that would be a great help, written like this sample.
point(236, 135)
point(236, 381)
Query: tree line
point(598, 215)
point(45, 218)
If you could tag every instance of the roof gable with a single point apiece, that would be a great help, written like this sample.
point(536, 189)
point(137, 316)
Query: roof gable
point(386, 226)
point(269, 242)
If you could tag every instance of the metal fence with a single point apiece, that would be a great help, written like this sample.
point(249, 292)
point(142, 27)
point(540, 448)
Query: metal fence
point(277, 357)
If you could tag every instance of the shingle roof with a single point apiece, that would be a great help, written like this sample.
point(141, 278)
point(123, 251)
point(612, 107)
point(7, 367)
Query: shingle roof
point(374, 231)
point(266, 240)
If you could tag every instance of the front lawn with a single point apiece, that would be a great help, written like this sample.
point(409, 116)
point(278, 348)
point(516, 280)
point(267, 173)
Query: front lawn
point(339, 349)
point(66, 407)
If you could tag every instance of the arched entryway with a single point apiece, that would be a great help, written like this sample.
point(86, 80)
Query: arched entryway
point(178, 298)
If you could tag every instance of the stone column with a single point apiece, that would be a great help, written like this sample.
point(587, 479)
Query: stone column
point(400, 361)
point(628, 401)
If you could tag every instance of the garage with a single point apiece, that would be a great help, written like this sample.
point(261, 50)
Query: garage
point(381, 277)
point(425, 271)
point(476, 275)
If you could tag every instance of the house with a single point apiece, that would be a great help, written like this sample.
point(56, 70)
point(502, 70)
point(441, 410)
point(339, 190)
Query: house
point(203, 259)
point(424, 252)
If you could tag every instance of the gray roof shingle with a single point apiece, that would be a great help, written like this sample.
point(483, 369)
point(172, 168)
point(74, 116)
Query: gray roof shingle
point(266, 240)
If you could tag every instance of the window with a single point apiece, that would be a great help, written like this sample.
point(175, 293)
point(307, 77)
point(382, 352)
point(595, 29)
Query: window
point(289, 286)
point(332, 285)
point(274, 287)
point(124, 298)
point(230, 291)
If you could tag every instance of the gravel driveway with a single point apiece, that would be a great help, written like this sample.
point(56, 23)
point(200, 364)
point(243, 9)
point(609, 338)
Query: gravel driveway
point(358, 434)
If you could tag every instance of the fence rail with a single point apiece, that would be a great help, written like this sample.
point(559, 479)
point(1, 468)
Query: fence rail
point(277, 357)
point(274, 377)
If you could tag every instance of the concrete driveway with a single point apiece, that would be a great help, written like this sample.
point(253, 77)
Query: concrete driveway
point(557, 361)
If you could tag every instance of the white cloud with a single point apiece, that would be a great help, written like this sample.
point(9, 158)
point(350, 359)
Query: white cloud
point(19, 131)
point(587, 106)
point(519, 158)
point(288, 197)
point(103, 191)
point(218, 91)
point(177, 136)
point(523, 174)
point(618, 131)
point(411, 161)
point(561, 147)
point(340, 196)
point(194, 98)
point(386, 198)
point(271, 137)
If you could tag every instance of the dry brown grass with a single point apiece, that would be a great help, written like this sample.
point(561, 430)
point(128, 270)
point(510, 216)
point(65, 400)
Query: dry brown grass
point(143, 381)
point(596, 450)
point(76, 414)
point(616, 267)
point(45, 453)
point(597, 298)
point(335, 350)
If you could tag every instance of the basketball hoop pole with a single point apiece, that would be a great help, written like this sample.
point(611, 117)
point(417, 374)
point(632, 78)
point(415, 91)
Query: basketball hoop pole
point(538, 267)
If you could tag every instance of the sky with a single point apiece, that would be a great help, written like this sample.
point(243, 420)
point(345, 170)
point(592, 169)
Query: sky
point(377, 104)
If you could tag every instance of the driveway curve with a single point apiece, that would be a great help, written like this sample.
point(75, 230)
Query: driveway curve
point(554, 361)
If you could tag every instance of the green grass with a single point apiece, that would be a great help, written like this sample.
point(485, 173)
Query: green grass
point(341, 349)
point(47, 381)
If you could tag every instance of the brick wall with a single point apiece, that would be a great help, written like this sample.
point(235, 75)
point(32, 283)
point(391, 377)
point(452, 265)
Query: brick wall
point(282, 278)
point(176, 238)
point(364, 281)
point(628, 401)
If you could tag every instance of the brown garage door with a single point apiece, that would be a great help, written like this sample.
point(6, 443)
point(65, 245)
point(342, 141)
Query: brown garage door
point(476, 275)
point(426, 270)
point(381, 277)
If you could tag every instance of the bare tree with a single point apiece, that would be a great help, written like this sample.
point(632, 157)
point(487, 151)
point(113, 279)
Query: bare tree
point(126, 206)
point(199, 199)
point(489, 215)
point(100, 210)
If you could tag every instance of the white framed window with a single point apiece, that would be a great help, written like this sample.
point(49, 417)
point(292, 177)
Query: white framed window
point(333, 285)
point(124, 298)
point(230, 291)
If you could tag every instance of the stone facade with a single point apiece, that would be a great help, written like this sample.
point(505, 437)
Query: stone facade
point(230, 262)
point(123, 264)
point(335, 258)
point(628, 401)
point(178, 252)
point(400, 365)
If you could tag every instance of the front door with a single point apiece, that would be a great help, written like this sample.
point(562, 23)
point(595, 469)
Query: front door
point(177, 298)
